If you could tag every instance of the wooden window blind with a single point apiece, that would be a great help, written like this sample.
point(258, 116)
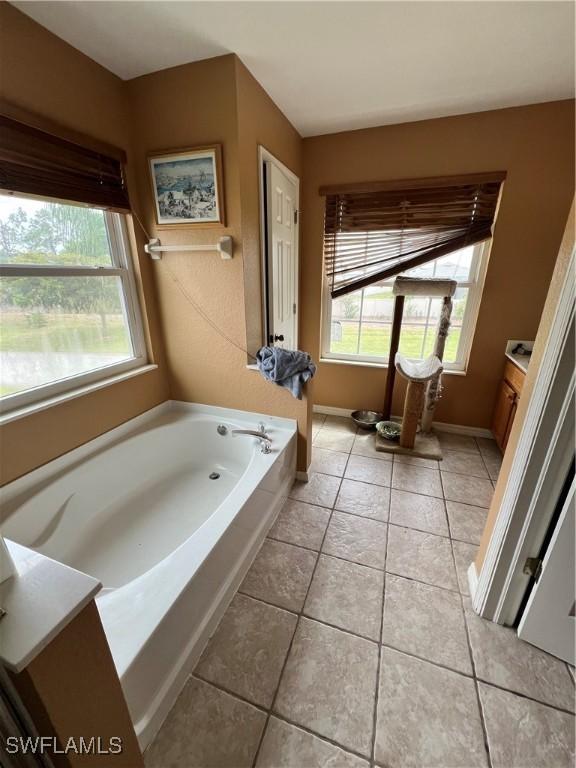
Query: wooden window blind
point(38, 162)
point(377, 230)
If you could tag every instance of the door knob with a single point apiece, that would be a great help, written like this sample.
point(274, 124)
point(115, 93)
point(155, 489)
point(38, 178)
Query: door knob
point(276, 338)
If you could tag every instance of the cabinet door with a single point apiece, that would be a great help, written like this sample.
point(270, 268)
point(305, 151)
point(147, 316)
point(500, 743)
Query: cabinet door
point(510, 422)
point(503, 412)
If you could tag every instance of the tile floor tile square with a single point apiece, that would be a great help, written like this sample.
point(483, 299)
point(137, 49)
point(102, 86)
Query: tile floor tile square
point(247, 652)
point(426, 621)
point(493, 465)
point(427, 716)
point(334, 440)
point(407, 477)
point(468, 490)
point(207, 727)
point(328, 462)
point(357, 539)
point(364, 445)
point(320, 490)
point(363, 499)
point(417, 461)
point(412, 510)
point(301, 524)
point(464, 463)
point(503, 659)
point(524, 733)
point(487, 447)
point(286, 746)
point(347, 595)
point(340, 423)
point(280, 574)
point(464, 556)
point(421, 556)
point(466, 522)
point(452, 442)
point(329, 685)
point(369, 470)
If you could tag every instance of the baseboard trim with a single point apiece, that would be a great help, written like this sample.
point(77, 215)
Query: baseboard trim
point(303, 476)
point(330, 410)
point(440, 426)
point(472, 580)
point(462, 429)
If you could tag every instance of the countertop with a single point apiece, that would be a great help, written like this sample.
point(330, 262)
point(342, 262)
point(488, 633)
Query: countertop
point(521, 361)
point(39, 601)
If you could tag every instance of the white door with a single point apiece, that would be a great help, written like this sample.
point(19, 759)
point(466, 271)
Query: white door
point(282, 262)
point(548, 620)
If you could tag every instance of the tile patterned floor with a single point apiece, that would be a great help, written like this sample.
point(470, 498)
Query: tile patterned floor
point(352, 643)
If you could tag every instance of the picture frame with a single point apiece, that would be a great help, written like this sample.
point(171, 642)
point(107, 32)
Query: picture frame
point(187, 187)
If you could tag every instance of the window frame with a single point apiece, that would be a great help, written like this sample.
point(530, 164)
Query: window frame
point(475, 285)
point(123, 267)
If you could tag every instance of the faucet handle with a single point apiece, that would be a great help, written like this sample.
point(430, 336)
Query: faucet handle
point(262, 428)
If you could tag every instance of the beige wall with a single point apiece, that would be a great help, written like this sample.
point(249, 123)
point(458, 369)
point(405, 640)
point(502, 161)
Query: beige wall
point(535, 145)
point(42, 74)
point(554, 291)
point(214, 101)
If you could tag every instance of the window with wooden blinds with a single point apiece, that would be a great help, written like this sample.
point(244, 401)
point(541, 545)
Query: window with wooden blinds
point(374, 231)
point(37, 162)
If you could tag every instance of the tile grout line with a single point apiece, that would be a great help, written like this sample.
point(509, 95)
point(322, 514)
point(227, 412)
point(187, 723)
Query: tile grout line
point(472, 661)
point(299, 616)
point(378, 520)
point(278, 716)
point(379, 664)
point(484, 463)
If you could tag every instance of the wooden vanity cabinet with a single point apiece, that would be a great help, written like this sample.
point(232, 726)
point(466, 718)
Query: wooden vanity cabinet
point(506, 403)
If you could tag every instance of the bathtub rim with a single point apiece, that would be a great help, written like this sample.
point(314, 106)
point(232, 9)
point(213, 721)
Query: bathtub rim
point(10, 492)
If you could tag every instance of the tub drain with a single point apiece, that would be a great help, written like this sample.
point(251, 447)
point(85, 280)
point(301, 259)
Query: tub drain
point(214, 475)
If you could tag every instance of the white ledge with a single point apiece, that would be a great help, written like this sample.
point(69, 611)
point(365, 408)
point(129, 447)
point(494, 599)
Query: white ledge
point(40, 600)
point(72, 394)
point(367, 364)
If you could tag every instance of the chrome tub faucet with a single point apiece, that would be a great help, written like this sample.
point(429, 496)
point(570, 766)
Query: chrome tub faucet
point(260, 434)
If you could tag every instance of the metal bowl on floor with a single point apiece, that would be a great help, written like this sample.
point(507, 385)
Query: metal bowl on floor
point(366, 419)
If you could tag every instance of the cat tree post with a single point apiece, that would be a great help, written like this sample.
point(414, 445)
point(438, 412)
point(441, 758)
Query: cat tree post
point(433, 391)
point(418, 373)
point(423, 376)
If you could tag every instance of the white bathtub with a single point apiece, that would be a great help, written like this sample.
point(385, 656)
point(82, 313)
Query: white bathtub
point(136, 509)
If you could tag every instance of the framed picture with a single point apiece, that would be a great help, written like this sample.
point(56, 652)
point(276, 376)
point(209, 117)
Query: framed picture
point(187, 186)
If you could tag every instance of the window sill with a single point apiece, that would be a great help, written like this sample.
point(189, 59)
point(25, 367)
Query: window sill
point(50, 402)
point(364, 364)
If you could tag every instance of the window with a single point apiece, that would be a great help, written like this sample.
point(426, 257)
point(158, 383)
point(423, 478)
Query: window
point(68, 303)
point(357, 326)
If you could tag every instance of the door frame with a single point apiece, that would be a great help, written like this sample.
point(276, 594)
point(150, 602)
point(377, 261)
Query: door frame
point(540, 466)
point(264, 156)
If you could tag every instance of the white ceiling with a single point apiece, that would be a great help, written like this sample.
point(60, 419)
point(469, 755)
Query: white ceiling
point(334, 66)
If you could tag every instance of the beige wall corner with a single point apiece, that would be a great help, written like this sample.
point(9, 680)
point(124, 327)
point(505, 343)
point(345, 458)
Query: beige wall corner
point(210, 101)
point(71, 689)
point(535, 145)
point(558, 278)
point(42, 74)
